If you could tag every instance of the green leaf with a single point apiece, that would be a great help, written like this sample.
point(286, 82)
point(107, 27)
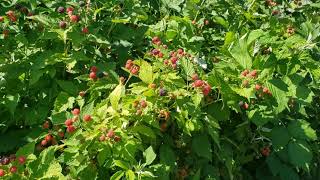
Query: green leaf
point(121, 164)
point(130, 175)
point(145, 130)
point(299, 153)
point(11, 102)
point(117, 176)
point(167, 155)
point(68, 87)
point(279, 89)
point(63, 102)
point(187, 67)
point(301, 129)
point(102, 155)
point(146, 72)
point(149, 155)
point(115, 96)
point(280, 137)
point(240, 53)
point(274, 164)
point(286, 173)
point(26, 149)
point(202, 146)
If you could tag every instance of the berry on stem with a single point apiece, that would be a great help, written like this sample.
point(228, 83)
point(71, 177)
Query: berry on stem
point(13, 169)
point(87, 118)
point(2, 173)
point(22, 159)
point(75, 111)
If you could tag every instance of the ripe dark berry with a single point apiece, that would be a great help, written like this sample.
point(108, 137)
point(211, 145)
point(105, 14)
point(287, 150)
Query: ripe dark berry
point(68, 122)
point(82, 3)
point(22, 159)
point(60, 9)
point(100, 74)
point(62, 24)
point(70, 129)
point(265, 151)
point(75, 111)
point(155, 52)
point(93, 75)
point(162, 92)
point(13, 169)
point(2, 173)
point(110, 133)
point(87, 118)
point(117, 138)
point(5, 161)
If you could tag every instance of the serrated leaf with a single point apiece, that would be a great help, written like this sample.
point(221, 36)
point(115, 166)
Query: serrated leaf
point(274, 164)
point(117, 176)
point(115, 96)
point(149, 155)
point(280, 137)
point(121, 164)
point(187, 67)
point(202, 147)
point(167, 155)
point(145, 130)
point(146, 72)
point(63, 102)
point(130, 175)
point(299, 153)
point(301, 129)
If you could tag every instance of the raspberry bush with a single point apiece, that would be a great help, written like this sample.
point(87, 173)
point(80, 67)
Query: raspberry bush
point(182, 89)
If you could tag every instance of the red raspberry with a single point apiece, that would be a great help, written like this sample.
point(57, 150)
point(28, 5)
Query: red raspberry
point(22, 159)
point(2, 173)
point(128, 66)
point(253, 73)
point(85, 30)
point(245, 106)
point(166, 62)
point(93, 75)
point(82, 93)
point(160, 55)
point(44, 142)
point(110, 133)
point(87, 118)
point(143, 104)
point(46, 125)
point(69, 10)
point(265, 151)
point(75, 111)
point(180, 51)
point(48, 137)
point(61, 134)
point(74, 18)
point(94, 69)
point(70, 129)
point(198, 83)
point(155, 39)
point(10, 13)
point(68, 122)
point(135, 69)
point(174, 60)
point(102, 138)
point(13, 169)
point(245, 72)
point(265, 90)
point(206, 90)
point(257, 87)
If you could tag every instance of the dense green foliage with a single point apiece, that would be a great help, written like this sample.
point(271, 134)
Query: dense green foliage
point(161, 89)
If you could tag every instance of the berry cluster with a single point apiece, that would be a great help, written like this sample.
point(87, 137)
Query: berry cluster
point(198, 83)
point(139, 106)
point(73, 17)
point(134, 69)
point(109, 135)
point(11, 161)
